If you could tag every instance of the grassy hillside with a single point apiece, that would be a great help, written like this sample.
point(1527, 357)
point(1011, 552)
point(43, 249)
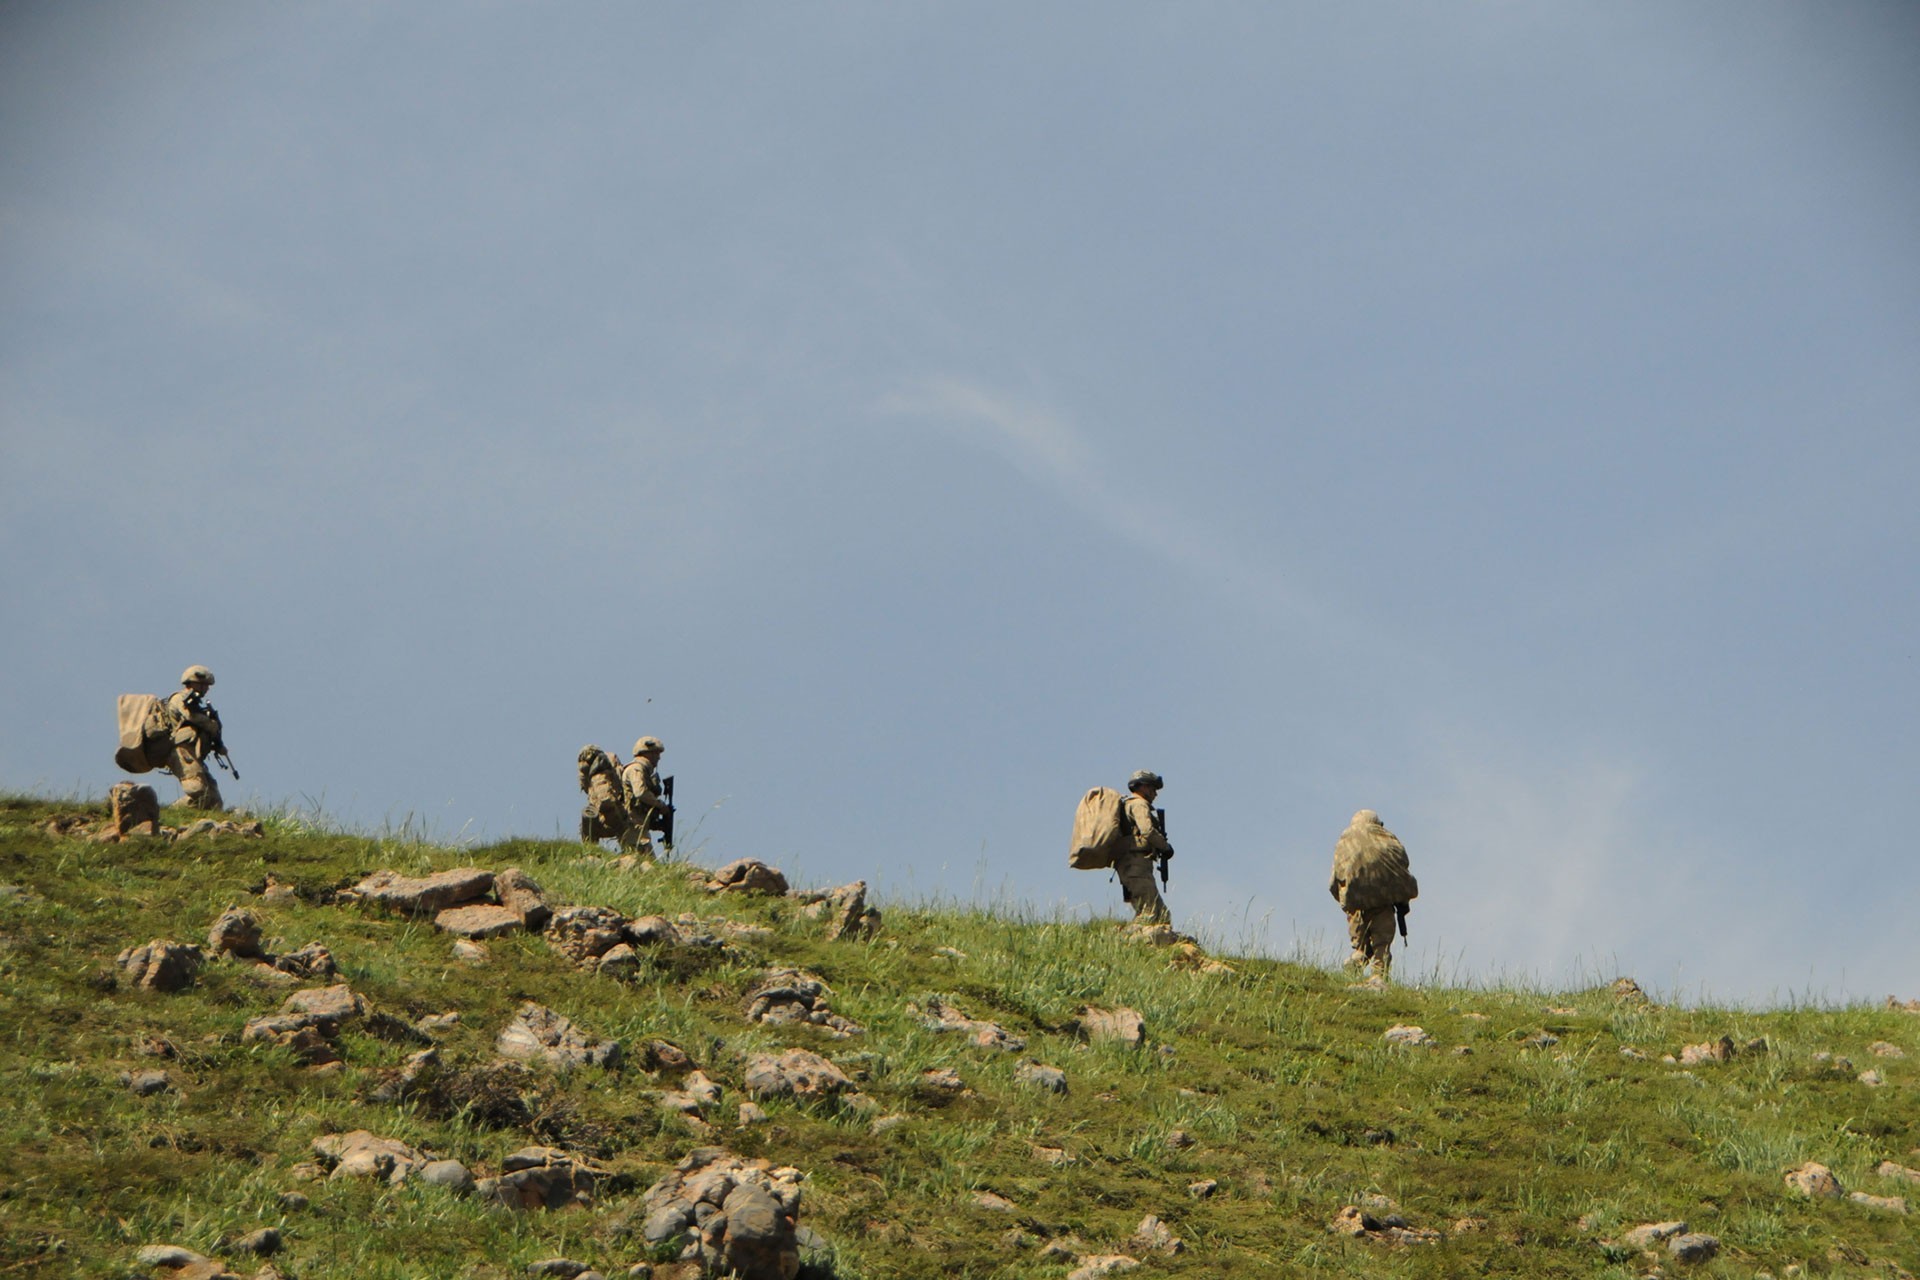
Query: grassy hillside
point(1529, 1137)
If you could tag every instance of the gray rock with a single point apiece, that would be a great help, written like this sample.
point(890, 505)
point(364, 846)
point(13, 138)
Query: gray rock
point(426, 895)
point(311, 961)
point(1041, 1076)
point(1652, 1234)
point(517, 891)
point(236, 932)
point(1815, 1181)
point(751, 1237)
point(1889, 1204)
point(263, 1243)
point(1124, 1026)
point(848, 915)
point(795, 1073)
point(450, 1174)
point(748, 875)
point(145, 1084)
point(1720, 1050)
point(565, 1268)
point(619, 962)
point(540, 1178)
point(1412, 1036)
point(537, 1032)
point(653, 931)
point(160, 965)
point(479, 920)
point(166, 1255)
point(1153, 1235)
point(1693, 1247)
point(584, 934)
point(360, 1154)
point(335, 1005)
point(941, 1016)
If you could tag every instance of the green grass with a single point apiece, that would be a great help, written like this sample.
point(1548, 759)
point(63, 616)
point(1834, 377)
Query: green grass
point(1276, 1072)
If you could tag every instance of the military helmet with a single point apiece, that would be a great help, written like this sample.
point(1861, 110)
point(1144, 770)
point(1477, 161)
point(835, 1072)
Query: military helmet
point(648, 743)
point(196, 673)
point(1145, 778)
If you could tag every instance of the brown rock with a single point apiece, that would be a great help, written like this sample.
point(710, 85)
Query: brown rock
point(586, 933)
point(748, 875)
point(516, 890)
point(479, 920)
point(1122, 1025)
point(311, 961)
point(538, 1032)
point(160, 965)
point(1720, 1050)
point(361, 1154)
point(425, 895)
point(1815, 1181)
point(848, 915)
point(797, 1073)
point(236, 932)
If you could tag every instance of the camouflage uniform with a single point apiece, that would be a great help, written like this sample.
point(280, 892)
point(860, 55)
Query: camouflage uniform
point(605, 816)
point(196, 732)
point(1370, 881)
point(641, 782)
point(1133, 864)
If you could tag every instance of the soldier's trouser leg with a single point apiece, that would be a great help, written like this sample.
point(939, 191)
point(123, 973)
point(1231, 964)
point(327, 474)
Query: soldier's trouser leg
point(1371, 933)
point(1135, 872)
point(198, 790)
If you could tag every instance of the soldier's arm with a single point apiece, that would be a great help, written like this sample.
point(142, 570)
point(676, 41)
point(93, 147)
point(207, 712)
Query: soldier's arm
point(1146, 837)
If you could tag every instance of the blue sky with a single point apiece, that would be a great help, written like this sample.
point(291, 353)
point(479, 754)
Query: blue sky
point(1499, 416)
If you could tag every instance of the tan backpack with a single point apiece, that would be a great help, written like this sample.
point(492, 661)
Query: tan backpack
point(1099, 829)
point(592, 760)
point(145, 736)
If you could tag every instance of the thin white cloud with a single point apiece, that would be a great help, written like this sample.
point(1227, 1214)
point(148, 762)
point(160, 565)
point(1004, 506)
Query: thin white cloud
point(1049, 449)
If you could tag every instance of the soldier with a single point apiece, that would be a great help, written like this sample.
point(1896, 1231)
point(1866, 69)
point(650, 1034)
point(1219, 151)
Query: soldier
point(1373, 885)
point(195, 727)
point(605, 815)
point(649, 809)
point(1145, 841)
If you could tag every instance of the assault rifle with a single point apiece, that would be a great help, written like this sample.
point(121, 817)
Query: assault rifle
point(1160, 825)
point(1400, 918)
point(219, 751)
point(663, 818)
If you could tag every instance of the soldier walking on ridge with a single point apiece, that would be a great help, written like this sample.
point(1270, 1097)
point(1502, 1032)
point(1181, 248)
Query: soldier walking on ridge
point(1142, 844)
point(195, 728)
point(1373, 885)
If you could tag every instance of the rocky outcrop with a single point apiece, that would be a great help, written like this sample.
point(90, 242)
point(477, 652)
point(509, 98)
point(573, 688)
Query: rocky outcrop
point(748, 875)
point(938, 1015)
point(784, 996)
point(361, 1154)
point(160, 965)
point(795, 1073)
point(538, 1033)
point(541, 1178)
point(1112, 1026)
point(736, 1216)
point(1815, 1181)
point(423, 895)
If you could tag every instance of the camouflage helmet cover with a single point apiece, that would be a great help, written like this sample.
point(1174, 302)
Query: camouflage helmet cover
point(1145, 778)
point(648, 743)
point(195, 674)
